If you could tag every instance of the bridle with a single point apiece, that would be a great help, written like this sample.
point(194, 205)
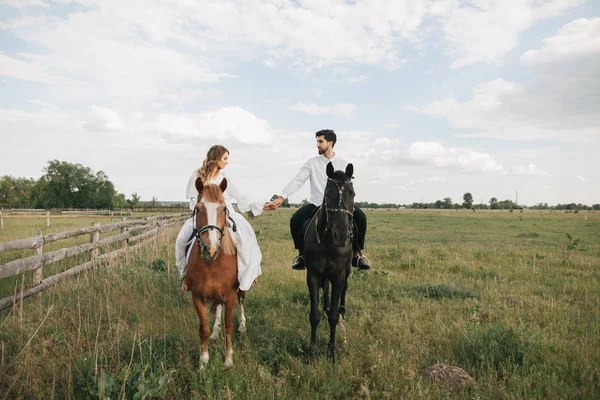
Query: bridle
point(207, 228)
point(341, 208)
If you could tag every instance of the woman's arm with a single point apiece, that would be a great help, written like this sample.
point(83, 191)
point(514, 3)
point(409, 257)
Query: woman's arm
point(243, 203)
point(191, 193)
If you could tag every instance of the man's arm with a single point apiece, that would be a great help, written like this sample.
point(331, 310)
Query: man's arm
point(292, 187)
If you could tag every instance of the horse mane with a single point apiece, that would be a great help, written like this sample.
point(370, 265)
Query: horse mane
point(212, 194)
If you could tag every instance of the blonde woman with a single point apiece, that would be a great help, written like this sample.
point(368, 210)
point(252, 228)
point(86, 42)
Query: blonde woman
point(248, 253)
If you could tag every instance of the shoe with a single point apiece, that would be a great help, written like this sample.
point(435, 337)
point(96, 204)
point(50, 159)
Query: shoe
point(298, 264)
point(361, 262)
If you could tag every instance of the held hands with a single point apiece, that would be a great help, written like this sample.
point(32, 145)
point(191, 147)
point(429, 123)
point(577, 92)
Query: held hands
point(273, 205)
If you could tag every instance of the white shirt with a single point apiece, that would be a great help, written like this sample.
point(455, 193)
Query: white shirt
point(231, 193)
point(315, 169)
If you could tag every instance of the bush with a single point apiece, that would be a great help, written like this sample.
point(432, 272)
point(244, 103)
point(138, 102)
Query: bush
point(159, 265)
point(444, 291)
point(493, 345)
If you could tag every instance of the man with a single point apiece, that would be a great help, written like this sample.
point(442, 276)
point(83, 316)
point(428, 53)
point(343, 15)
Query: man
point(315, 170)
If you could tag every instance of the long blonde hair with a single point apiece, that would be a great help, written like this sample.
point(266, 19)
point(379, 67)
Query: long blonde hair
point(213, 155)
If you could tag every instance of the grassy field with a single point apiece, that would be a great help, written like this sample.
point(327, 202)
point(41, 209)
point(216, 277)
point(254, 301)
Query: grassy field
point(508, 297)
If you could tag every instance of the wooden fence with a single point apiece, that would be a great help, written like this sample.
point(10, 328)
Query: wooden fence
point(130, 232)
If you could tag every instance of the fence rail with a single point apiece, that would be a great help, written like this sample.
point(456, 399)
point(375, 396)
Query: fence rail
point(130, 232)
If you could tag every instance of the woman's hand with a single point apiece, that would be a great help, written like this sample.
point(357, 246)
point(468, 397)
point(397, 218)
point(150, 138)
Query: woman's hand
point(274, 205)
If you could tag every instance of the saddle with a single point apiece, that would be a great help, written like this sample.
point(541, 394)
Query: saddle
point(308, 222)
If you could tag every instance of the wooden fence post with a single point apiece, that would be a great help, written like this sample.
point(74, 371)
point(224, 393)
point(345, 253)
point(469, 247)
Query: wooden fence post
point(123, 230)
point(38, 274)
point(47, 219)
point(1, 221)
point(94, 237)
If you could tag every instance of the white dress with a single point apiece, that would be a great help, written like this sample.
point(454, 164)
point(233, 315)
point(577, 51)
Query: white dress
point(248, 252)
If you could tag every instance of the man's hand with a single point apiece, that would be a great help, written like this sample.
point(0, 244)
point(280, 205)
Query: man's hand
point(274, 205)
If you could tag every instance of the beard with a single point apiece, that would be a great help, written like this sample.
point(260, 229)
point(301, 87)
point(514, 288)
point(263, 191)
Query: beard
point(322, 151)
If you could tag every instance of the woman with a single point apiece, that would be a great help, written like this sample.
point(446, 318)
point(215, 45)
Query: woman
point(248, 253)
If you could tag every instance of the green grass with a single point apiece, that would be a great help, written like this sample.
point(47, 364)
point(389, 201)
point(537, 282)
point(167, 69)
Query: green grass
point(496, 293)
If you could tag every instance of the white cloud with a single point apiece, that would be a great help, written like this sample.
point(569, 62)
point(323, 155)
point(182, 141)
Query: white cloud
point(23, 70)
point(386, 142)
point(220, 124)
point(357, 79)
point(487, 30)
point(435, 155)
point(310, 108)
point(576, 39)
point(530, 170)
point(24, 3)
point(344, 110)
point(313, 34)
point(431, 179)
point(103, 119)
point(560, 102)
point(580, 178)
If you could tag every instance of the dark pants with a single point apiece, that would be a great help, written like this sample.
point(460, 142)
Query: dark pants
point(307, 211)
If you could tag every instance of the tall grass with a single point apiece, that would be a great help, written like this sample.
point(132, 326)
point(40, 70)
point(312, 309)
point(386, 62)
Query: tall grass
point(497, 294)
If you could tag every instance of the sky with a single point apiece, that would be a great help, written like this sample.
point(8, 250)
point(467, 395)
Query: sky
point(429, 99)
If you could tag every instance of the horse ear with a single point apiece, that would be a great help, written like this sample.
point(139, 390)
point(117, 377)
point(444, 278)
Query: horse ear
point(330, 169)
point(349, 170)
point(199, 186)
point(223, 185)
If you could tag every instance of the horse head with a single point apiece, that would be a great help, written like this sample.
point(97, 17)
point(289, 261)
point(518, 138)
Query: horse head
point(210, 218)
point(338, 203)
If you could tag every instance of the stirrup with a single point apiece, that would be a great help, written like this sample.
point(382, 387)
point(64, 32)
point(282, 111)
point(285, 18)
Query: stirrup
point(361, 262)
point(298, 264)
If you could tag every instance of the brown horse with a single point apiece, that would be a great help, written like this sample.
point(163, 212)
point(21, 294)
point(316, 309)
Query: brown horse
point(212, 274)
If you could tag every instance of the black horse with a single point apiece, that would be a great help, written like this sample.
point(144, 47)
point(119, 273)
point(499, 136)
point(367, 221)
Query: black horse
point(328, 252)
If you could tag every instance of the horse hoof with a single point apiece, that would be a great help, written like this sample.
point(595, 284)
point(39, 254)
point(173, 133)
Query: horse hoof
point(229, 362)
point(242, 329)
point(204, 358)
point(214, 336)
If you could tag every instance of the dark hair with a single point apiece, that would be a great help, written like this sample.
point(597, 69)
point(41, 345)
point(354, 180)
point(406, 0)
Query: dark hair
point(329, 135)
point(213, 155)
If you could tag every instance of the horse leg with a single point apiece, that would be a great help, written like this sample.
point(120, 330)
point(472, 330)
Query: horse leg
point(325, 286)
point(241, 295)
point(229, 306)
point(217, 324)
point(337, 288)
point(343, 301)
point(204, 330)
point(315, 314)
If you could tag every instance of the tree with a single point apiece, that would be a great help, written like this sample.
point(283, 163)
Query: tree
point(467, 200)
point(505, 204)
point(16, 192)
point(119, 201)
point(494, 203)
point(69, 185)
point(447, 203)
point(135, 199)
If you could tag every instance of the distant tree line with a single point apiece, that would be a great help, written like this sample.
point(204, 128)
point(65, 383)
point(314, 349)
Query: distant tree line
point(493, 204)
point(67, 185)
point(64, 185)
